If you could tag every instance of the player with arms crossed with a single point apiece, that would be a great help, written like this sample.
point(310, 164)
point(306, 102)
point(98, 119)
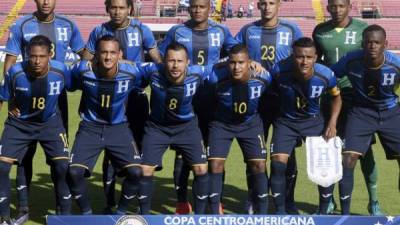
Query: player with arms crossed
point(236, 94)
point(135, 38)
point(300, 82)
point(205, 40)
point(333, 39)
point(33, 88)
point(173, 122)
point(105, 85)
point(64, 34)
point(374, 74)
point(269, 41)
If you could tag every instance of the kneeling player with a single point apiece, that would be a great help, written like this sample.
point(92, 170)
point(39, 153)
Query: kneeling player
point(105, 85)
point(374, 75)
point(173, 122)
point(300, 82)
point(237, 96)
point(34, 87)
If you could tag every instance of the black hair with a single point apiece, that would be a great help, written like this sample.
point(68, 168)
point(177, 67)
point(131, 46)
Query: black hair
point(175, 46)
point(107, 3)
point(40, 40)
point(347, 2)
point(239, 48)
point(107, 37)
point(304, 42)
point(374, 28)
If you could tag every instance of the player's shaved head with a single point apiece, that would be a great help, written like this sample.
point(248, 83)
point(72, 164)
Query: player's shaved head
point(333, 1)
point(191, 2)
point(374, 28)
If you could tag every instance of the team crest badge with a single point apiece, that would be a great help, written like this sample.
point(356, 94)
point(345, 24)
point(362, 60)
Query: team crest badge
point(131, 220)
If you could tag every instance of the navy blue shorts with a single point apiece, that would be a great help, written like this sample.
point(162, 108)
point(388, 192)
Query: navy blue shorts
point(287, 132)
point(249, 134)
point(363, 123)
point(19, 134)
point(269, 110)
point(63, 106)
point(137, 113)
point(117, 140)
point(186, 137)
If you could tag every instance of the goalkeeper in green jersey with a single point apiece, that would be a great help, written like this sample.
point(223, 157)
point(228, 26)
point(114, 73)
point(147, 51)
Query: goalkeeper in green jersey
point(333, 39)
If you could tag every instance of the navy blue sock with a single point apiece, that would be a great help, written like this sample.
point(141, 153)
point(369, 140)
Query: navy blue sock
point(109, 176)
point(325, 196)
point(249, 183)
point(22, 187)
point(345, 189)
point(181, 177)
point(278, 186)
point(5, 189)
point(215, 191)
point(63, 195)
point(78, 187)
point(130, 188)
point(145, 194)
point(291, 178)
point(260, 192)
point(200, 193)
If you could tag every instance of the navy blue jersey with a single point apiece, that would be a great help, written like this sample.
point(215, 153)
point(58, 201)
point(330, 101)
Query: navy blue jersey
point(373, 87)
point(104, 99)
point(134, 39)
point(237, 102)
point(204, 46)
point(36, 98)
point(269, 45)
point(171, 104)
point(301, 99)
point(62, 32)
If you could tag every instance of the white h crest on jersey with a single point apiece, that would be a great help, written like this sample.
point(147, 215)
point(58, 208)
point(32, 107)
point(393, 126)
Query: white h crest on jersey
point(62, 33)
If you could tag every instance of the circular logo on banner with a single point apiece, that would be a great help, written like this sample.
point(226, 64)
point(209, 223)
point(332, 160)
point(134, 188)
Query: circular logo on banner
point(131, 220)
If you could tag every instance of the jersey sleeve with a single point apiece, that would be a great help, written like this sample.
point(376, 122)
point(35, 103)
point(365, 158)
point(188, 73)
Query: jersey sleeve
point(229, 41)
point(5, 87)
point(265, 76)
point(91, 44)
point(339, 68)
point(76, 42)
point(297, 33)
point(73, 80)
point(332, 85)
point(145, 71)
point(241, 36)
point(169, 38)
point(14, 42)
point(149, 41)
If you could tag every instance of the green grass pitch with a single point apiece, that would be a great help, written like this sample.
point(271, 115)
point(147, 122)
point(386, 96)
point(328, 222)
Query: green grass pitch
point(42, 196)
